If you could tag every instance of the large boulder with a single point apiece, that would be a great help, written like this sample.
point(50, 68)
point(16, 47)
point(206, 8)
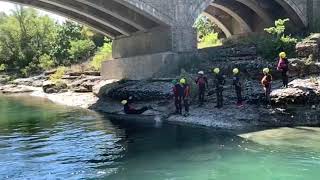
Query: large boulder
point(300, 91)
point(86, 84)
point(103, 86)
point(309, 46)
point(142, 90)
point(54, 87)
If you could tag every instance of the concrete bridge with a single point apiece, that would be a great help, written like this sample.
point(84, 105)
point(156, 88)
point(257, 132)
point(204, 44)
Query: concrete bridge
point(151, 36)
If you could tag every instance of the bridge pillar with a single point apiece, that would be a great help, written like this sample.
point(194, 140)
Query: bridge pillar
point(314, 15)
point(156, 53)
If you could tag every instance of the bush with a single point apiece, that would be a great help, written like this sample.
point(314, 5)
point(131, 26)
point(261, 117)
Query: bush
point(210, 40)
point(275, 40)
point(57, 76)
point(80, 49)
point(2, 67)
point(46, 62)
point(104, 53)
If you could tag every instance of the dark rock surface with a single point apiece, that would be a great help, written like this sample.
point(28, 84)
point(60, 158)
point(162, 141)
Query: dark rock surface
point(309, 46)
point(141, 90)
point(52, 87)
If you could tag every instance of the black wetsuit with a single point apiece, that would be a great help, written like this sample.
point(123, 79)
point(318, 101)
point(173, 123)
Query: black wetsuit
point(238, 88)
point(128, 109)
point(219, 82)
point(178, 95)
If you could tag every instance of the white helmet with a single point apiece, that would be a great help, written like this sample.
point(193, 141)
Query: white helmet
point(201, 73)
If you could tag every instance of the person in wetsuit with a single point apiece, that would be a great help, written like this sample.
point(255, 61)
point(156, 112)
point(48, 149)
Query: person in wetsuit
point(202, 83)
point(176, 89)
point(283, 67)
point(219, 83)
point(129, 109)
point(238, 86)
point(266, 83)
point(184, 95)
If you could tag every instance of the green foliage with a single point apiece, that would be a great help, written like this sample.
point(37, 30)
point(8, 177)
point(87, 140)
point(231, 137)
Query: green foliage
point(104, 53)
point(208, 35)
point(275, 40)
point(31, 42)
point(210, 40)
point(46, 62)
point(57, 76)
point(2, 67)
point(80, 49)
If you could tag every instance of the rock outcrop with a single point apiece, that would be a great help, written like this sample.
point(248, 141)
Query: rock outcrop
point(141, 90)
point(54, 87)
point(300, 91)
point(309, 46)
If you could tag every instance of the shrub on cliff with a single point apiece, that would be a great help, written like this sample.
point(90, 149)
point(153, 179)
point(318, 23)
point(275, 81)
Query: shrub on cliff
point(104, 53)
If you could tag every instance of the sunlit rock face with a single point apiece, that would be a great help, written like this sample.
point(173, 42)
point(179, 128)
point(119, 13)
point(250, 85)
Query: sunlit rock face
point(298, 137)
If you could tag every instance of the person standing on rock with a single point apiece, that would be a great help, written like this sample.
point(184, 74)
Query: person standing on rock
point(177, 89)
point(238, 86)
point(184, 95)
point(202, 83)
point(219, 83)
point(283, 67)
point(266, 83)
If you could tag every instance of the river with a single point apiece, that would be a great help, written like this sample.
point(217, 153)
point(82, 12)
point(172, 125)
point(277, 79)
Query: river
point(41, 140)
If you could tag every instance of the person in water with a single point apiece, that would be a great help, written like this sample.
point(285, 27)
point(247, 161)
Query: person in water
point(283, 67)
point(219, 83)
point(177, 99)
point(266, 83)
point(129, 109)
point(184, 95)
point(238, 86)
point(202, 83)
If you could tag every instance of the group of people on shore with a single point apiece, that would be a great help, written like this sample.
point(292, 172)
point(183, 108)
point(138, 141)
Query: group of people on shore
point(182, 88)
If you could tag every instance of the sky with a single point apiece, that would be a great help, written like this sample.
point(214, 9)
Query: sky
point(7, 7)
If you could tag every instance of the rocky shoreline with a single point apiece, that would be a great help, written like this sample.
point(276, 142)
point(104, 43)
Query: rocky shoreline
point(297, 105)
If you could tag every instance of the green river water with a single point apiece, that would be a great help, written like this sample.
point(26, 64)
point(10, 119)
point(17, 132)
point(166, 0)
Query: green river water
point(40, 140)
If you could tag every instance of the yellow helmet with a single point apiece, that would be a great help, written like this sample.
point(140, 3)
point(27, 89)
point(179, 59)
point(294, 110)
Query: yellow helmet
point(183, 81)
point(282, 55)
point(266, 70)
point(124, 102)
point(216, 70)
point(236, 71)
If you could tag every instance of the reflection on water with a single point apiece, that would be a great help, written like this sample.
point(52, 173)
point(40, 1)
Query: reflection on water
point(39, 140)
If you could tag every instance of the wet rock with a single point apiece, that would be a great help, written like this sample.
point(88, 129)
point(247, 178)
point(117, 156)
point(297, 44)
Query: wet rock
point(309, 46)
point(300, 91)
point(141, 90)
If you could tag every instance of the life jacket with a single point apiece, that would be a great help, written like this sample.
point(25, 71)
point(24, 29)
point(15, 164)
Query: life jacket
point(201, 81)
point(283, 64)
point(236, 81)
point(220, 81)
point(186, 90)
point(176, 89)
point(266, 80)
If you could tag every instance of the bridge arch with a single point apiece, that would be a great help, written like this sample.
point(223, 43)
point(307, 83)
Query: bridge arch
point(111, 18)
point(252, 15)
